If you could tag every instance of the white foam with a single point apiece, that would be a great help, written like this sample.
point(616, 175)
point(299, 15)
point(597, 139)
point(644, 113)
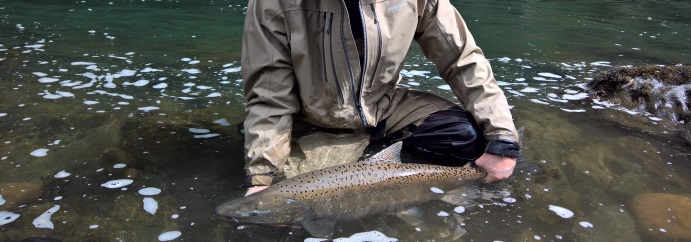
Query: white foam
point(562, 212)
point(88, 102)
point(585, 224)
point(82, 63)
point(459, 209)
point(191, 71)
point(64, 94)
point(436, 190)
point(117, 183)
point(150, 205)
point(62, 174)
point(47, 80)
point(2, 201)
point(119, 165)
point(43, 220)
point(40, 74)
point(140, 83)
point(231, 70)
point(578, 96)
point(149, 108)
point(215, 94)
point(538, 101)
point(3, 114)
point(39, 152)
point(442, 214)
point(170, 235)
point(444, 87)
point(199, 131)
point(149, 191)
point(7, 217)
point(93, 226)
point(504, 59)
point(549, 75)
point(509, 200)
point(206, 136)
point(529, 89)
point(222, 122)
point(573, 110)
point(185, 59)
point(371, 236)
point(161, 85)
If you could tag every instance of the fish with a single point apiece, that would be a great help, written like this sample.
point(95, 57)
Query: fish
point(381, 184)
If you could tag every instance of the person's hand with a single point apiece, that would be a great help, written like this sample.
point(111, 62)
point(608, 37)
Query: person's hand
point(254, 189)
point(497, 167)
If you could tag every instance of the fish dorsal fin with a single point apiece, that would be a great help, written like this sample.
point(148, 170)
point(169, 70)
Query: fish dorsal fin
point(391, 154)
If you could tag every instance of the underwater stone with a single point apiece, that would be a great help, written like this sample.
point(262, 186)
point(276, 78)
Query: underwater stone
point(670, 212)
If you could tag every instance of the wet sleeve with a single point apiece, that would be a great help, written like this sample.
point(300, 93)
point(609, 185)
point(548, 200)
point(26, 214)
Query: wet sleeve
point(268, 81)
point(445, 40)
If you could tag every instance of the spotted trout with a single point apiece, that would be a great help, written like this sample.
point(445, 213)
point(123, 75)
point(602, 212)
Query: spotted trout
point(377, 185)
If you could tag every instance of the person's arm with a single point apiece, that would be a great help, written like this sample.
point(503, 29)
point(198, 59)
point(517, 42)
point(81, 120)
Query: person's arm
point(268, 80)
point(446, 40)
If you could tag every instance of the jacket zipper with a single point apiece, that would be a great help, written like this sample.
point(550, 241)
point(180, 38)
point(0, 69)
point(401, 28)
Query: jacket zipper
point(356, 96)
point(323, 30)
point(333, 65)
point(379, 48)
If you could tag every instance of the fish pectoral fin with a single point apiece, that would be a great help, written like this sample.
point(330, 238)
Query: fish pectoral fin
point(322, 228)
point(413, 216)
point(459, 196)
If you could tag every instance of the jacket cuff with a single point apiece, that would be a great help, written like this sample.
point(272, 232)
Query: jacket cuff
point(257, 180)
point(502, 147)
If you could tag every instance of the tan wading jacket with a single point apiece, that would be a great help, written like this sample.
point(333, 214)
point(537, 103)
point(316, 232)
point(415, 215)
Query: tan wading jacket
point(299, 60)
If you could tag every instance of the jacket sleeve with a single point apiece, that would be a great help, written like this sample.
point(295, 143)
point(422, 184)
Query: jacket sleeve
point(269, 80)
point(445, 40)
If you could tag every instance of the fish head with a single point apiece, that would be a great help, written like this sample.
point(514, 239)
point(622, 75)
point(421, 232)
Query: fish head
point(265, 210)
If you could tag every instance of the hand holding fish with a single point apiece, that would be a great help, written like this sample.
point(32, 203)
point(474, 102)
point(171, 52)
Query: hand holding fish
point(497, 167)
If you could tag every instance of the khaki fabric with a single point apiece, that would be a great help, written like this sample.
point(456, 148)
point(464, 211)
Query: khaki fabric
point(300, 61)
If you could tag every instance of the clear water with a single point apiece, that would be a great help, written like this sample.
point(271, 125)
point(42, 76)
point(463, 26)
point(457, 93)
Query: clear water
point(151, 89)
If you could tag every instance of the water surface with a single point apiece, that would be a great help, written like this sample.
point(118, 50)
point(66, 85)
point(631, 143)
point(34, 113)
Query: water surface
point(151, 91)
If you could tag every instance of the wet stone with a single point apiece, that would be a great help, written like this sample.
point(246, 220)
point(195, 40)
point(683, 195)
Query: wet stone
point(664, 215)
point(16, 194)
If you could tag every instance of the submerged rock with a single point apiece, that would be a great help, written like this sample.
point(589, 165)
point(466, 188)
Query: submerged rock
point(16, 194)
point(664, 215)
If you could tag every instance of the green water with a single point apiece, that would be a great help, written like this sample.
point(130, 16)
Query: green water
point(140, 83)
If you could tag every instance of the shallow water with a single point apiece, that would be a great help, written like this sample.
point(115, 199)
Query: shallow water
point(104, 90)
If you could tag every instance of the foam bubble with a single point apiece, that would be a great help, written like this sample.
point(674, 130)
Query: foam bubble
point(149, 191)
point(222, 122)
point(119, 165)
point(459, 209)
point(47, 80)
point(161, 85)
point(3, 114)
point(2, 201)
point(40, 152)
point(93, 226)
point(206, 136)
point(199, 131)
point(191, 71)
point(373, 236)
point(436, 190)
point(444, 87)
point(442, 214)
point(117, 183)
point(43, 220)
point(231, 70)
point(62, 174)
point(215, 94)
point(7, 217)
point(149, 108)
point(170, 235)
point(562, 212)
point(549, 75)
point(88, 102)
point(150, 205)
point(585, 224)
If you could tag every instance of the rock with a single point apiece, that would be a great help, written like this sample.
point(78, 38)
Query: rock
point(664, 215)
point(16, 194)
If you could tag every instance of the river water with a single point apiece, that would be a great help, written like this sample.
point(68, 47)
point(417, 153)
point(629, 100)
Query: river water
point(97, 91)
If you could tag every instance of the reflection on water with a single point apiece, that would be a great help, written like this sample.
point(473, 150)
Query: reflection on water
point(97, 94)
